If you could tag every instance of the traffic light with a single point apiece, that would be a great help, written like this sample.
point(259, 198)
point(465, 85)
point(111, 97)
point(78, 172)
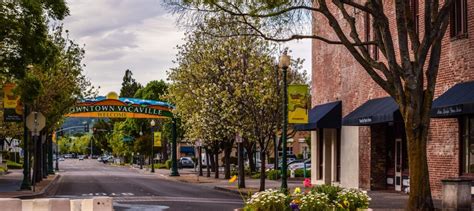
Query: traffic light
point(86, 128)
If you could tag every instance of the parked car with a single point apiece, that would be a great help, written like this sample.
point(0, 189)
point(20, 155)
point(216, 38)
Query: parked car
point(81, 157)
point(300, 165)
point(186, 162)
point(61, 159)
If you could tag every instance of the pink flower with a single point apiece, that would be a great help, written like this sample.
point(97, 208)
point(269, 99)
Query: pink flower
point(307, 183)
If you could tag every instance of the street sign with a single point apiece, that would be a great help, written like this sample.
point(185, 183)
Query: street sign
point(35, 122)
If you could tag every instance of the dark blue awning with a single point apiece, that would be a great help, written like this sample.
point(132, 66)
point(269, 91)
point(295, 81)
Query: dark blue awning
point(457, 101)
point(187, 149)
point(323, 116)
point(374, 111)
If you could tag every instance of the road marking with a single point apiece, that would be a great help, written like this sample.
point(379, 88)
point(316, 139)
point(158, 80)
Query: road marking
point(176, 199)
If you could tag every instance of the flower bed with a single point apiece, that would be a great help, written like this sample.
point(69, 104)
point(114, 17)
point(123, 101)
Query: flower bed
point(321, 197)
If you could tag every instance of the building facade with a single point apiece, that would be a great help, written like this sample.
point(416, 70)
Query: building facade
point(357, 134)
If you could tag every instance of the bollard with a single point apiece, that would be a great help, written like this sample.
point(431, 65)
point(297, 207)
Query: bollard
point(59, 204)
point(76, 204)
point(10, 204)
point(41, 205)
point(456, 194)
point(27, 205)
point(97, 204)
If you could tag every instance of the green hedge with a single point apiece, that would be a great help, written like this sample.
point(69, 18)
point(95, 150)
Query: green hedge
point(160, 166)
point(168, 164)
point(300, 173)
point(3, 169)
point(13, 165)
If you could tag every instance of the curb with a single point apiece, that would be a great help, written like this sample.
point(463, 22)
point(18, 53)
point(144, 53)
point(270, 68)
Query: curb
point(42, 192)
point(226, 190)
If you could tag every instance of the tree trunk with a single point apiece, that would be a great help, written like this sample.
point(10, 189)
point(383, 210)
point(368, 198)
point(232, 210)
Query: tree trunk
point(420, 192)
point(227, 152)
point(216, 175)
point(208, 164)
point(213, 164)
point(262, 170)
point(250, 151)
point(164, 150)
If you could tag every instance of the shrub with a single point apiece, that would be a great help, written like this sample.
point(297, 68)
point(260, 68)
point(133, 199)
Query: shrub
point(268, 200)
point(300, 172)
point(3, 169)
point(351, 199)
point(299, 156)
point(330, 191)
point(160, 166)
point(273, 174)
point(168, 164)
point(255, 176)
point(13, 165)
point(314, 201)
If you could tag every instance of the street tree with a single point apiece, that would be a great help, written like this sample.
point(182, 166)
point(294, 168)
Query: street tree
point(224, 86)
point(129, 85)
point(407, 71)
point(24, 36)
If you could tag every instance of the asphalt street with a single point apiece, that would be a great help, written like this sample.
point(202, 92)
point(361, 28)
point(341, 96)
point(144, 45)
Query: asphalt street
point(133, 190)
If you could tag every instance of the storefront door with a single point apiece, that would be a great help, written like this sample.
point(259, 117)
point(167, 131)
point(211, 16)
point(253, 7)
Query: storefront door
point(398, 164)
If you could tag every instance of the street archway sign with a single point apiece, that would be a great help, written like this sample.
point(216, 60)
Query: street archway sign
point(114, 107)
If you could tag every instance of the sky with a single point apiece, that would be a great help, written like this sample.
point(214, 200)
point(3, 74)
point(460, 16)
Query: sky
point(139, 35)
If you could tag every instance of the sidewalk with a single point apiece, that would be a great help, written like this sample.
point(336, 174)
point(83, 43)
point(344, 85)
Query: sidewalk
point(10, 185)
point(381, 200)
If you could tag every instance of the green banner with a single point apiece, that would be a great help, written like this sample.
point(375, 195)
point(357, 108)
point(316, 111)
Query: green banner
point(298, 98)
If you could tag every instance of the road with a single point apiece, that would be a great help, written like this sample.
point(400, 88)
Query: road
point(133, 190)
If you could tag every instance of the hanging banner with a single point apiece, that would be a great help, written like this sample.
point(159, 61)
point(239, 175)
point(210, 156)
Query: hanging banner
point(157, 139)
point(13, 109)
point(298, 97)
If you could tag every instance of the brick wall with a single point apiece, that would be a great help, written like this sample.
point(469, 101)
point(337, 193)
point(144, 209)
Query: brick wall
point(337, 76)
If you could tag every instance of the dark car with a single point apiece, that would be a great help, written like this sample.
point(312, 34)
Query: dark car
point(186, 162)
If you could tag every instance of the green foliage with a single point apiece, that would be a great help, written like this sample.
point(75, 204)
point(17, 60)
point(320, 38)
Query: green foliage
point(14, 165)
point(168, 164)
point(299, 156)
point(268, 200)
point(300, 173)
point(314, 201)
point(3, 169)
point(161, 166)
point(273, 174)
point(330, 190)
point(255, 175)
point(129, 85)
point(352, 199)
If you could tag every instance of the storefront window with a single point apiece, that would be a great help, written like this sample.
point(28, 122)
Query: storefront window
point(468, 145)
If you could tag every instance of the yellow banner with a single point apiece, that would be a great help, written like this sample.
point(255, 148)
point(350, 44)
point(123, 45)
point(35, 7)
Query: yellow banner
point(9, 99)
point(298, 97)
point(157, 139)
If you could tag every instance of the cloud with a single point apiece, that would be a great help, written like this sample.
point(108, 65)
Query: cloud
point(132, 34)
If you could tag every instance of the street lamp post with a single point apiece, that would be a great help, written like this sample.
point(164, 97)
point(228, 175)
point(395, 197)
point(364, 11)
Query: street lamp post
point(240, 160)
point(152, 124)
point(174, 163)
point(284, 64)
point(140, 156)
point(26, 183)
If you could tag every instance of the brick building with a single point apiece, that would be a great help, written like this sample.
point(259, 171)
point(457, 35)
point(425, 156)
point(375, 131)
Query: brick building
point(357, 133)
